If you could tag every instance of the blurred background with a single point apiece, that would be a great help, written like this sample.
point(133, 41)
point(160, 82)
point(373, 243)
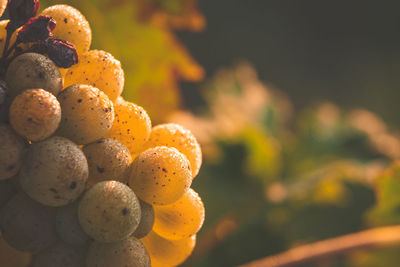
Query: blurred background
point(295, 104)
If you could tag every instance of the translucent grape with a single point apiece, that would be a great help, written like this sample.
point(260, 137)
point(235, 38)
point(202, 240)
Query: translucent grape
point(99, 69)
point(109, 211)
point(168, 252)
point(174, 135)
point(146, 221)
point(132, 127)
point(72, 26)
point(126, 253)
point(87, 114)
point(26, 225)
point(160, 175)
point(108, 159)
point(12, 150)
point(55, 172)
point(60, 255)
point(180, 219)
point(68, 226)
point(31, 70)
point(35, 114)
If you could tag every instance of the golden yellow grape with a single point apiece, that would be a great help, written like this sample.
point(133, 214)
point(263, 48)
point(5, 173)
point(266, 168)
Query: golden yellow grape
point(99, 69)
point(160, 175)
point(87, 114)
point(3, 5)
point(108, 159)
point(132, 126)
point(35, 114)
point(166, 252)
point(180, 219)
point(72, 26)
point(174, 135)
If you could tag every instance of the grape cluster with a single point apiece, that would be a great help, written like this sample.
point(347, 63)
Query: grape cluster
point(85, 180)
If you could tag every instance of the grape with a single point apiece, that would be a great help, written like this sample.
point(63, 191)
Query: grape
point(60, 255)
point(126, 253)
point(31, 70)
point(7, 191)
point(26, 225)
point(168, 252)
point(109, 211)
point(3, 5)
point(72, 26)
point(55, 172)
point(3, 32)
point(160, 175)
point(68, 227)
point(87, 114)
point(4, 102)
point(99, 69)
point(146, 220)
point(131, 127)
point(35, 114)
point(108, 159)
point(12, 150)
point(174, 135)
point(11, 257)
point(180, 219)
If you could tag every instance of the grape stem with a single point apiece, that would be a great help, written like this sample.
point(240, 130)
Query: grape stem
point(310, 253)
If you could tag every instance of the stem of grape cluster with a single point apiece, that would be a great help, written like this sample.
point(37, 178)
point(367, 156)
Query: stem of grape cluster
point(310, 253)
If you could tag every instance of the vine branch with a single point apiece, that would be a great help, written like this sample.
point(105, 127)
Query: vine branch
point(304, 255)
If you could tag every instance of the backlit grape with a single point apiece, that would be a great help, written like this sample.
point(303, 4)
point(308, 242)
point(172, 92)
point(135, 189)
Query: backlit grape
point(160, 175)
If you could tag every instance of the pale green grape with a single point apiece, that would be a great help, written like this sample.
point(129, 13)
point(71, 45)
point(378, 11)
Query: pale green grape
point(68, 226)
point(109, 211)
point(27, 225)
point(108, 159)
point(30, 71)
point(55, 171)
point(146, 221)
point(12, 150)
point(59, 255)
point(126, 253)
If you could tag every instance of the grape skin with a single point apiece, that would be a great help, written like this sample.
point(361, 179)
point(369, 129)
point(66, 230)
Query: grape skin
point(12, 150)
point(109, 211)
point(168, 252)
point(32, 70)
point(55, 172)
point(26, 225)
point(146, 221)
point(160, 175)
point(132, 127)
point(87, 114)
point(72, 26)
point(180, 219)
point(60, 255)
point(174, 135)
point(68, 226)
point(108, 159)
point(99, 69)
point(126, 253)
point(35, 114)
